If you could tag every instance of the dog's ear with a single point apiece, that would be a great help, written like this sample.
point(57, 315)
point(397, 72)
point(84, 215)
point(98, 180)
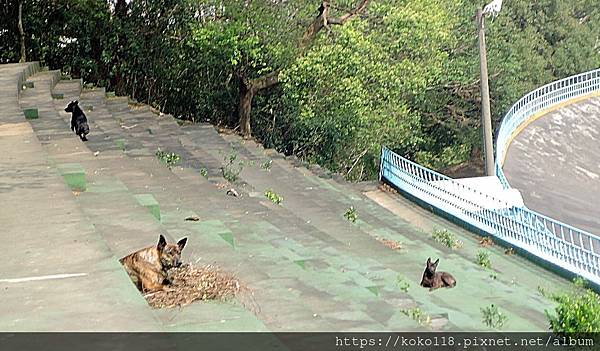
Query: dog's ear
point(76, 102)
point(162, 242)
point(436, 262)
point(429, 262)
point(181, 243)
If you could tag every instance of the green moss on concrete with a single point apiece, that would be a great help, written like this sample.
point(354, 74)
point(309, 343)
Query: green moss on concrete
point(58, 96)
point(120, 144)
point(148, 201)
point(31, 113)
point(228, 237)
point(28, 85)
point(301, 263)
point(106, 186)
point(74, 175)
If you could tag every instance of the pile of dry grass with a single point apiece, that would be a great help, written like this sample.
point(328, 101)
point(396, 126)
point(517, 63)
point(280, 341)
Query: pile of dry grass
point(189, 284)
point(387, 188)
point(486, 242)
point(392, 244)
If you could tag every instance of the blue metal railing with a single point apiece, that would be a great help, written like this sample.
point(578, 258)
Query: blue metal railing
point(569, 248)
point(536, 101)
point(573, 250)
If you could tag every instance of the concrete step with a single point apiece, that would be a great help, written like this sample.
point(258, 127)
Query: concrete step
point(124, 223)
point(211, 141)
point(56, 258)
point(297, 259)
point(376, 222)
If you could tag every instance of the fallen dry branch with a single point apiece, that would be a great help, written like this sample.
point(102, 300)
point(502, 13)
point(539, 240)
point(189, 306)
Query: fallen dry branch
point(189, 284)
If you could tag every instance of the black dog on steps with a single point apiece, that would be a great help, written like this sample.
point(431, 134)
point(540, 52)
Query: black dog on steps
point(78, 120)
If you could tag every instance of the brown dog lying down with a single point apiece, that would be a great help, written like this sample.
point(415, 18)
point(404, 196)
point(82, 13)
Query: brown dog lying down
point(148, 267)
point(433, 280)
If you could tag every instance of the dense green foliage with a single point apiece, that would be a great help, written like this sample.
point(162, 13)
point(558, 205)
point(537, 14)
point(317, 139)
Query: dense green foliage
point(401, 73)
point(578, 311)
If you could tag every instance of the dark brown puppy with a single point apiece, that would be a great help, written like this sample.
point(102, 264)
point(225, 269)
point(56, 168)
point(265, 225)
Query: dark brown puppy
point(433, 280)
point(148, 267)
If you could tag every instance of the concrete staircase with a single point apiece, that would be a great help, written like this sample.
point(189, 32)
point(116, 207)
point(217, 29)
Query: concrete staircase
point(309, 267)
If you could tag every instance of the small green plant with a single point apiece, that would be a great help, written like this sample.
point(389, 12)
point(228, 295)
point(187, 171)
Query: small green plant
point(403, 284)
point(418, 315)
point(204, 172)
point(492, 317)
point(445, 237)
point(351, 214)
point(168, 158)
point(120, 144)
point(274, 197)
point(483, 259)
point(231, 171)
point(266, 165)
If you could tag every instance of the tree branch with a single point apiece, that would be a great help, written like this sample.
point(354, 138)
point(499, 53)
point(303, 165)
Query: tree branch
point(323, 20)
point(348, 16)
point(265, 81)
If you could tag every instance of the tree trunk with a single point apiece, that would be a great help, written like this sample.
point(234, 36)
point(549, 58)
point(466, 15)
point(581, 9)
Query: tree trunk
point(23, 57)
point(245, 107)
point(117, 82)
point(249, 88)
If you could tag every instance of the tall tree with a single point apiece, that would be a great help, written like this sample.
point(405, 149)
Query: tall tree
point(250, 87)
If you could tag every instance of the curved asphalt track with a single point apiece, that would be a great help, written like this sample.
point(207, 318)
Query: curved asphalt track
point(555, 163)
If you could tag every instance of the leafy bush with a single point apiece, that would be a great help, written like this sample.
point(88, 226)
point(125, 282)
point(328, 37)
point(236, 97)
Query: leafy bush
point(402, 74)
point(493, 318)
point(578, 311)
point(274, 197)
point(168, 158)
point(445, 237)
